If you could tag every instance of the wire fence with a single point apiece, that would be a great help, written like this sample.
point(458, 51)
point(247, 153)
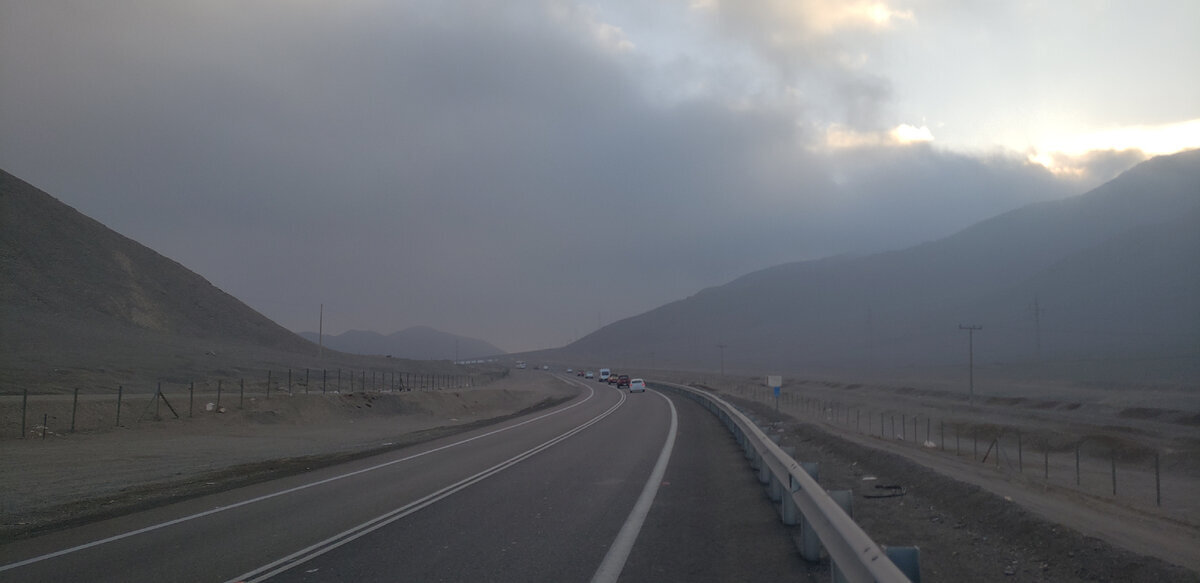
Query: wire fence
point(38, 415)
point(1097, 465)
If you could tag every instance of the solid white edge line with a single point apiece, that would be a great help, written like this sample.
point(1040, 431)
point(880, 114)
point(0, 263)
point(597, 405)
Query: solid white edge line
point(219, 509)
point(614, 561)
point(317, 549)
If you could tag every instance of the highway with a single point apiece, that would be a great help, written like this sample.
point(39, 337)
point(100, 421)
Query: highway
point(610, 486)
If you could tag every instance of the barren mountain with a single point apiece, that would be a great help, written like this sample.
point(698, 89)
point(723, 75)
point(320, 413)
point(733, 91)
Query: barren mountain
point(81, 305)
point(1109, 278)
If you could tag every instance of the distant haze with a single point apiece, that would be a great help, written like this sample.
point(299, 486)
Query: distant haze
point(526, 173)
point(418, 343)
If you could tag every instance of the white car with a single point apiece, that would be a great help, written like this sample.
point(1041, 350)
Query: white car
point(589, 375)
point(637, 386)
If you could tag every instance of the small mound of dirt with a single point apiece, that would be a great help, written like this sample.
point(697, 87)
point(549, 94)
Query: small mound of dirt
point(1140, 413)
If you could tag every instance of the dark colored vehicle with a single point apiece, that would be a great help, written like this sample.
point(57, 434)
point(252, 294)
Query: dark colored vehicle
point(623, 381)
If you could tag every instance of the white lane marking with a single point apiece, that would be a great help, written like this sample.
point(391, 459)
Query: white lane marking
point(161, 525)
point(315, 550)
point(618, 553)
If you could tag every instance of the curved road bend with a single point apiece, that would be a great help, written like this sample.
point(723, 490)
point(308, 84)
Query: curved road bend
point(540, 498)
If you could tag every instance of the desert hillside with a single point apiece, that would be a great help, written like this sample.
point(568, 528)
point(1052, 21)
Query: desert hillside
point(82, 305)
point(1105, 283)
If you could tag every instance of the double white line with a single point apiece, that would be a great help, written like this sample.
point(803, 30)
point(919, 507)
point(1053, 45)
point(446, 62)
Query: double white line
point(311, 552)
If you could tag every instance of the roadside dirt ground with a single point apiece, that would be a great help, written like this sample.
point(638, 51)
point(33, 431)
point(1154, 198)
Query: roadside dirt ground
point(70, 478)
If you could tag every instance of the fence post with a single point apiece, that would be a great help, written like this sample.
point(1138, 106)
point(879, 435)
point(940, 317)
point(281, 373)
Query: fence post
point(242, 393)
point(1020, 455)
point(1113, 457)
point(45, 423)
point(306, 381)
point(24, 407)
point(1157, 482)
point(219, 381)
point(191, 397)
point(74, 408)
point(1077, 464)
point(120, 389)
point(324, 378)
point(268, 384)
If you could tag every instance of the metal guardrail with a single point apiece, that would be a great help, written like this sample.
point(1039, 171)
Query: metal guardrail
point(855, 557)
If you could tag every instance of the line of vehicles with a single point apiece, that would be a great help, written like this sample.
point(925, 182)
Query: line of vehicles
point(606, 375)
point(623, 381)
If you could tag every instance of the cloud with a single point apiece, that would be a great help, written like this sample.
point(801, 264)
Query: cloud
point(490, 169)
point(841, 137)
point(804, 32)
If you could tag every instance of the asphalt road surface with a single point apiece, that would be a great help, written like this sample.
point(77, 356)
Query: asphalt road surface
point(610, 486)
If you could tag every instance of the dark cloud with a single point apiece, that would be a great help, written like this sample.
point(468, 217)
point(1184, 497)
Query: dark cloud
point(485, 169)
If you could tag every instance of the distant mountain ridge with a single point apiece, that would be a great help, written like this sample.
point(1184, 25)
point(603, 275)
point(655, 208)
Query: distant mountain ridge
point(1114, 273)
point(417, 342)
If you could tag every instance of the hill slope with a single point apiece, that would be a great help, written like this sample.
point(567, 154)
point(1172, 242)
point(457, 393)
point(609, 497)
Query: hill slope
point(417, 342)
point(1114, 272)
point(75, 291)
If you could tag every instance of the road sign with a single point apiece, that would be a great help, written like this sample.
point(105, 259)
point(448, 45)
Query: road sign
point(775, 381)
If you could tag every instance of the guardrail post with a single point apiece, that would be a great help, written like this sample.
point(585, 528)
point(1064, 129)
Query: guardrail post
point(908, 559)
point(790, 513)
point(845, 501)
point(777, 487)
point(810, 543)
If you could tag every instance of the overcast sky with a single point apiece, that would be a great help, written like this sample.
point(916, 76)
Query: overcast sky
point(523, 172)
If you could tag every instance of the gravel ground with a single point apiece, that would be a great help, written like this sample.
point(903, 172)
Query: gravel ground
point(964, 531)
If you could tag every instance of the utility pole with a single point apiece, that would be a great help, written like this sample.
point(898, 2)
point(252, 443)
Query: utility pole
point(971, 351)
point(722, 347)
point(321, 333)
point(1037, 329)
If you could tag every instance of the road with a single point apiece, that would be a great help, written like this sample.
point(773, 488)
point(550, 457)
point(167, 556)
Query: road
point(608, 486)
